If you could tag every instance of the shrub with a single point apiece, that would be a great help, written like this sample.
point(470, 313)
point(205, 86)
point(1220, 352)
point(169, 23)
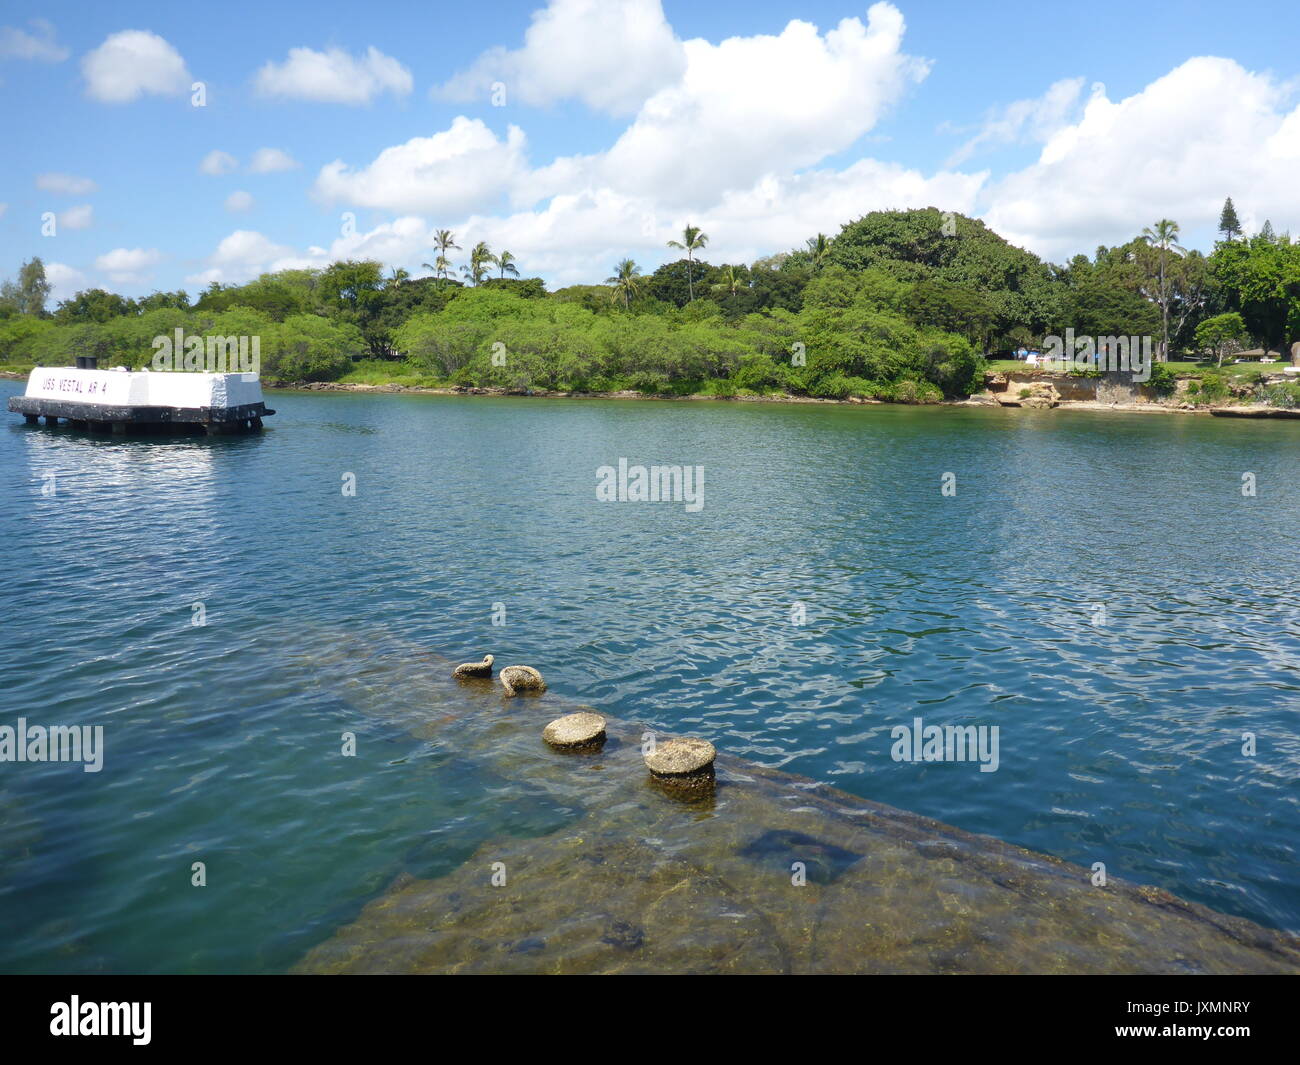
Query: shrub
point(917, 392)
point(1285, 395)
point(1212, 389)
point(1163, 381)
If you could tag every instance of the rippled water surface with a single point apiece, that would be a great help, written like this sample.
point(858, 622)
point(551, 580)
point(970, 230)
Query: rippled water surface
point(1121, 742)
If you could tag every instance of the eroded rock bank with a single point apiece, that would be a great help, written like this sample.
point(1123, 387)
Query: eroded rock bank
point(1115, 392)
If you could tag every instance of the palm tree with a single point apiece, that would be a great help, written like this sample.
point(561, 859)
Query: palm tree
point(445, 240)
point(818, 248)
point(731, 281)
point(1164, 238)
point(480, 258)
point(507, 263)
point(692, 241)
point(397, 277)
point(627, 276)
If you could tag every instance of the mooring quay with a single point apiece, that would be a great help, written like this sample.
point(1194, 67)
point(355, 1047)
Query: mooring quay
point(123, 401)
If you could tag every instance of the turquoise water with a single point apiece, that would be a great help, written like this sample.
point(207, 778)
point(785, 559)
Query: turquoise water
point(1119, 743)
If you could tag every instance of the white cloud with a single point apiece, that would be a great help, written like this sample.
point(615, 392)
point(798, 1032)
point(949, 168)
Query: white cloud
point(333, 76)
point(611, 54)
point(753, 106)
point(217, 162)
point(243, 255)
point(65, 184)
point(131, 63)
point(239, 200)
point(128, 265)
point(1035, 120)
point(271, 161)
point(38, 45)
point(577, 237)
point(1206, 130)
point(77, 217)
point(457, 170)
point(65, 281)
point(3, 208)
point(734, 148)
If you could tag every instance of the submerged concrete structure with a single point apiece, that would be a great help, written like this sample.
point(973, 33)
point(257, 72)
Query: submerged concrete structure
point(764, 872)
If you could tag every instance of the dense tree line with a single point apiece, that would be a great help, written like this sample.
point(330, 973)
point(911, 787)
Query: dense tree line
point(901, 305)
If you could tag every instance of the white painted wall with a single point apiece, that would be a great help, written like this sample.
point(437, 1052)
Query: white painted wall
point(144, 389)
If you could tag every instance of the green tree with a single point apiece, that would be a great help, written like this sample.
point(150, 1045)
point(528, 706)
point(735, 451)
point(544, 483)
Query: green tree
point(1229, 224)
point(692, 241)
point(1221, 335)
point(1163, 237)
point(93, 305)
point(30, 292)
point(445, 241)
point(354, 292)
point(1261, 279)
point(480, 260)
point(626, 279)
point(819, 247)
point(506, 261)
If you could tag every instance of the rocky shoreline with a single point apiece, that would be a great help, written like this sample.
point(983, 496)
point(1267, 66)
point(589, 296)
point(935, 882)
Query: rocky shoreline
point(1044, 396)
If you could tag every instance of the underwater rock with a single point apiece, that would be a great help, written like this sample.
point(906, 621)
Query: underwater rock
point(575, 731)
point(521, 679)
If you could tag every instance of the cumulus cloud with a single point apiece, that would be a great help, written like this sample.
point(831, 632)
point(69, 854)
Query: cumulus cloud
point(638, 54)
point(732, 118)
point(457, 170)
point(271, 161)
point(130, 64)
point(333, 76)
point(77, 217)
point(1206, 130)
point(65, 281)
point(245, 254)
point(723, 123)
point(128, 265)
point(746, 155)
point(65, 184)
point(216, 163)
point(38, 45)
point(238, 201)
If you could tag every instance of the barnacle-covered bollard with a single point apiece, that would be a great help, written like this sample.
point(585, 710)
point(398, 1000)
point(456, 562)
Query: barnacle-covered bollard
point(474, 669)
point(521, 679)
point(575, 732)
point(685, 764)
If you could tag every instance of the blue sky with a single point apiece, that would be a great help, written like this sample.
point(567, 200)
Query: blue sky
point(1064, 126)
